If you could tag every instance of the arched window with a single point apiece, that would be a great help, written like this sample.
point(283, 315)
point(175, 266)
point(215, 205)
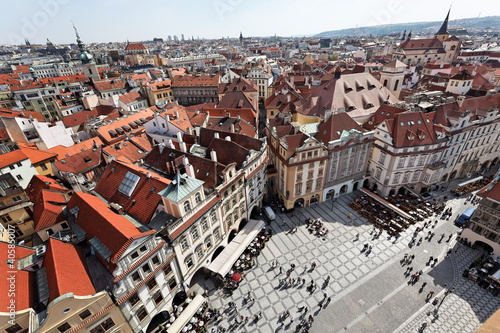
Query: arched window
point(197, 198)
point(385, 83)
point(396, 84)
point(187, 206)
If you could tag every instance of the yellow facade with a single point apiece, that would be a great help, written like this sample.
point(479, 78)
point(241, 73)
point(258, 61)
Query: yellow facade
point(84, 313)
point(44, 168)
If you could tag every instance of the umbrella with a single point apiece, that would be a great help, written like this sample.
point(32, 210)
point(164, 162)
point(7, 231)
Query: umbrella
point(488, 265)
point(236, 277)
point(484, 270)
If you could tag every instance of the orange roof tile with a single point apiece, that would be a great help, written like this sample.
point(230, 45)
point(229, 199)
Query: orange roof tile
point(25, 281)
point(67, 270)
point(48, 209)
point(39, 183)
point(12, 157)
point(36, 156)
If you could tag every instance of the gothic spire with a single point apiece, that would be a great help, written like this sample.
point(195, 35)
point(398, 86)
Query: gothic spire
point(444, 28)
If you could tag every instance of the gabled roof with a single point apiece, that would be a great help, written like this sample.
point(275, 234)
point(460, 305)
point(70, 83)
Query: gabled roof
point(131, 97)
point(404, 126)
point(97, 219)
point(248, 114)
point(333, 128)
point(207, 135)
point(160, 85)
point(39, 183)
point(383, 112)
point(180, 187)
point(78, 118)
point(37, 156)
point(80, 162)
point(8, 113)
point(48, 208)
point(12, 157)
point(135, 46)
point(142, 202)
point(236, 100)
point(65, 152)
point(25, 281)
point(106, 85)
point(67, 270)
point(418, 44)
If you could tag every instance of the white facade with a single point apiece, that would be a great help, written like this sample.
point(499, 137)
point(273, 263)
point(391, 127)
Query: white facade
point(22, 171)
point(54, 135)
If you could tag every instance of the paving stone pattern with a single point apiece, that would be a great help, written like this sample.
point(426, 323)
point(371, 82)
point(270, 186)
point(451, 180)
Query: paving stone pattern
point(369, 293)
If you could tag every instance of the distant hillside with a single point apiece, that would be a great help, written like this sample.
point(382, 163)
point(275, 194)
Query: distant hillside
point(488, 23)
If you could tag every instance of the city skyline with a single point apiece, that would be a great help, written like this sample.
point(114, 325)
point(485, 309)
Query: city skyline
point(119, 21)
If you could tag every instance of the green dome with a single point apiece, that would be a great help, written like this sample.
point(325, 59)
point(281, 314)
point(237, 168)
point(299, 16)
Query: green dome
point(85, 57)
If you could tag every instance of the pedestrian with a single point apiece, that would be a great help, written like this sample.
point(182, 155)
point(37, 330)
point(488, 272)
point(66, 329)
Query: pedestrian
point(357, 236)
point(303, 281)
point(281, 269)
point(328, 300)
point(324, 296)
point(327, 279)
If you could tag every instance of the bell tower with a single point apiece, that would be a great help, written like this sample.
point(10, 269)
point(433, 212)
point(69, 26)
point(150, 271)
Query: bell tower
point(442, 33)
point(89, 68)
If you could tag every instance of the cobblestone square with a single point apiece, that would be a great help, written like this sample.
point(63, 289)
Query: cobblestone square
point(369, 293)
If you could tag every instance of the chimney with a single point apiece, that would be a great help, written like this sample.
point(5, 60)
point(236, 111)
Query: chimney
point(179, 136)
point(183, 147)
point(167, 118)
point(228, 138)
point(441, 65)
point(306, 80)
point(161, 146)
point(288, 98)
point(292, 80)
point(213, 155)
point(189, 131)
point(171, 144)
point(338, 72)
point(176, 113)
point(216, 135)
point(232, 128)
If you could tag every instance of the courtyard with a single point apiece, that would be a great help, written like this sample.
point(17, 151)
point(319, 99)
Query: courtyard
point(369, 292)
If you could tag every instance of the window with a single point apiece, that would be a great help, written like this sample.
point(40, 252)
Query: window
point(208, 242)
point(134, 255)
point(128, 183)
point(172, 284)
point(194, 234)
point(136, 277)
point(382, 158)
point(151, 284)
point(85, 314)
point(310, 174)
point(396, 178)
point(156, 260)
point(213, 216)
point(64, 327)
point(378, 173)
point(189, 262)
point(199, 252)
point(134, 299)
point(298, 189)
point(204, 225)
point(411, 162)
point(184, 244)
point(426, 177)
point(406, 177)
point(308, 186)
point(299, 177)
point(141, 314)
point(13, 328)
point(421, 161)
point(158, 298)
point(19, 177)
point(415, 176)
point(187, 206)
point(6, 218)
point(143, 248)
point(12, 167)
point(197, 198)
point(146, 269)
point(217, 234)
point(43, 167)
point(401, 162)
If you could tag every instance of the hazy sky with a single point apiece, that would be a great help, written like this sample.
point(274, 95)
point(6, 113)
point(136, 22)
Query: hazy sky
point(117, 20)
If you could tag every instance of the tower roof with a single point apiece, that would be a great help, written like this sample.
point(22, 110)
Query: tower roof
point(444, 27)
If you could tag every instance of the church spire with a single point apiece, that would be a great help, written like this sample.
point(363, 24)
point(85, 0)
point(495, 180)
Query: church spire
point(444, 28)
point(83, 55)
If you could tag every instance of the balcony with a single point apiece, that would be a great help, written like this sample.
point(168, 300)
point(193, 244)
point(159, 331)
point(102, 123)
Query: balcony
point(436, 166)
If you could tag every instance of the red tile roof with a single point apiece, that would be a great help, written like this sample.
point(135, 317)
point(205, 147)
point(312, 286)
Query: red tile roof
point(36, 156)
point(25, 281)
point(68, 78)
point(196, 81)
point(384, 112)
point(135, 46)
point(143, 201)
point(98, 220)
point(131, 97)
point(64, 152)
point(80, 162)
point(47, 210)
point(4, 112)
point(103, 131)
point(247, 114)
point(67, 270)
point(424, 43)
point(411, 129)
point(160, 85)
point(106, 85)
point(12, 157)
point(78, 118)
point(491, 191)
point(332, 128)
point(39, 183)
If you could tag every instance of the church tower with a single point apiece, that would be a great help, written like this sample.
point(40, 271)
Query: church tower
point(443, 34)
point(89, 68)
point(392, 76)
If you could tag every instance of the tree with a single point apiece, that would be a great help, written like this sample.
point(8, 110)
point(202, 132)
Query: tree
point(333, 57)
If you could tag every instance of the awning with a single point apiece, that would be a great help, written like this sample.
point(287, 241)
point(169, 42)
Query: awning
point(186, 315)
point(387, 204)
point(225, 260)
point(470, 181)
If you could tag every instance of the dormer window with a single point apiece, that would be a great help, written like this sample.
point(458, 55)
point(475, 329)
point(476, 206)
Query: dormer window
point(197, 198)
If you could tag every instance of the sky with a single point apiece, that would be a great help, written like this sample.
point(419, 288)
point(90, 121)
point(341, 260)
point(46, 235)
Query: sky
point(122, 20)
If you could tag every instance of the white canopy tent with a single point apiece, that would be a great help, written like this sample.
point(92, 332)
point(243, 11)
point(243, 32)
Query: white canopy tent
point(225, 260)
point(186, 315)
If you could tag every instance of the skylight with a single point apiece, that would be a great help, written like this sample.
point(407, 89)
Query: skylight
point(128, 183)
